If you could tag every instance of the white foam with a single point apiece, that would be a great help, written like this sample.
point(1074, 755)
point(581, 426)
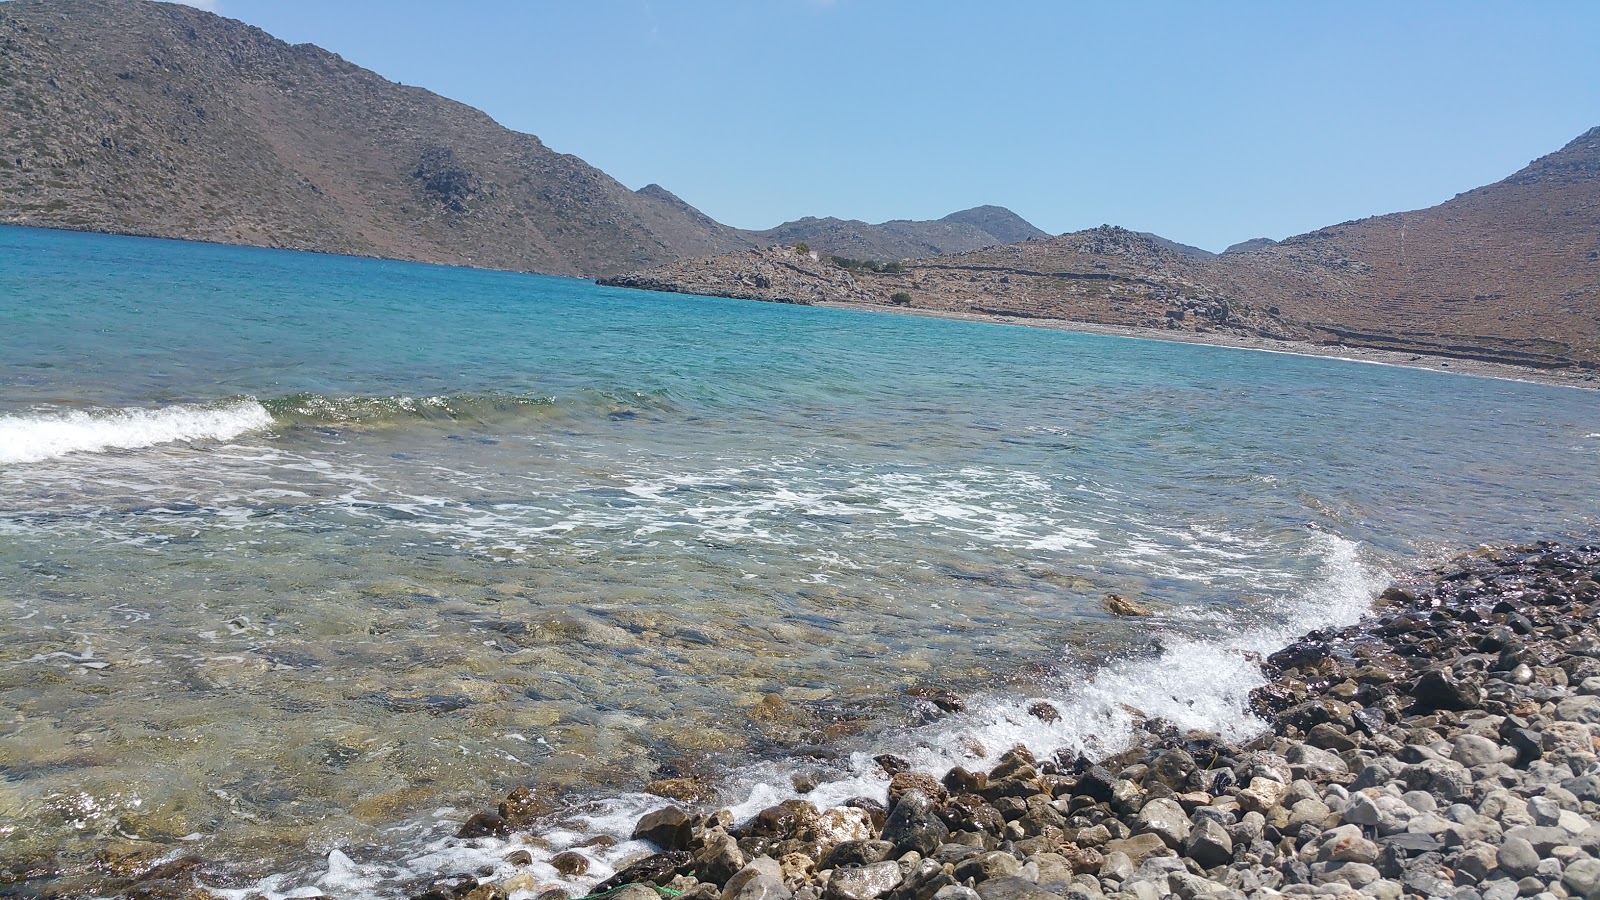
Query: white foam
point(28, 439)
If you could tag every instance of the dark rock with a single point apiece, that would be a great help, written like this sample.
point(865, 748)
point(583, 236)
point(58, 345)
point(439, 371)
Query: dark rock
point(892, 765)
point(1044, 712)
point(924, 881)
point(960, 781)
point(668, 828)
point(1438, 688)
point(944, 698)
point(657, 869)
point(914, 825)
point(570, 863)
point(852, 854)
point(774, 822)
point(484, 824)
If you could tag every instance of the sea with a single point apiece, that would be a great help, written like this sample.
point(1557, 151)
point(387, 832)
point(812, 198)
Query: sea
point(304, 558)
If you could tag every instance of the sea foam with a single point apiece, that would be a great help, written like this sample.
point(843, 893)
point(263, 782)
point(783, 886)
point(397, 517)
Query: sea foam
point(34, 438)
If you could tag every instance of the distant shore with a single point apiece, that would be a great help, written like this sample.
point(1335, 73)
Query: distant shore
point(1575, 378)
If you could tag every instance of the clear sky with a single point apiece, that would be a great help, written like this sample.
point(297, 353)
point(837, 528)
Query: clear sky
point(1207, 123)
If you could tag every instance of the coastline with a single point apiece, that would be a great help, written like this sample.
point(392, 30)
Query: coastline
point(1586, 380)
point(1444, 746)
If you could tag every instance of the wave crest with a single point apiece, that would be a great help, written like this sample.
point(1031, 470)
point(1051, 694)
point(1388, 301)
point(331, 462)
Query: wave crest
point(34, 438)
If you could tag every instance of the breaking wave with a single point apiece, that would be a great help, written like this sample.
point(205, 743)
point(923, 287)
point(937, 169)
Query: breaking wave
point(42, 436)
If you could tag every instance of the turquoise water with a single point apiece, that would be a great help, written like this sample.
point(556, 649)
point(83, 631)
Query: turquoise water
point(306, 557)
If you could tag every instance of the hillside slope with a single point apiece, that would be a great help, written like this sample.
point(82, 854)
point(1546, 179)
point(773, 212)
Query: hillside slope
point(155, 118)
point(1509, 272)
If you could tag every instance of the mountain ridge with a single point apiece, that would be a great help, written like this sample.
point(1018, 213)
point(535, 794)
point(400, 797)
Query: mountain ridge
point(1507, 272)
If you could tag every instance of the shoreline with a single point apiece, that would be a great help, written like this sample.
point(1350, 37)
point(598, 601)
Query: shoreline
point(1448, 365)
point(1443, 746)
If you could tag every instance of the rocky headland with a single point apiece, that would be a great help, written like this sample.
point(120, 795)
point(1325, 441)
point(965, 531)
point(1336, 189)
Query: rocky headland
point(1443, 747)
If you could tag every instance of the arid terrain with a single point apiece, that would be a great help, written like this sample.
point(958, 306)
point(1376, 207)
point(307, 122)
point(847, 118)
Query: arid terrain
point(1507, 273)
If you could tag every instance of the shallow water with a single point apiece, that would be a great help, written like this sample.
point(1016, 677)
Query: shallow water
point(302, 552)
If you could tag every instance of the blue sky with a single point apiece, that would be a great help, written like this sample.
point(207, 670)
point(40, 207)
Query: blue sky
point(1208, 123)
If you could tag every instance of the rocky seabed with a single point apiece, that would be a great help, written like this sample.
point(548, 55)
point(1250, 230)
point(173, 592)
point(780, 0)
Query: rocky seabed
point(1445, 746)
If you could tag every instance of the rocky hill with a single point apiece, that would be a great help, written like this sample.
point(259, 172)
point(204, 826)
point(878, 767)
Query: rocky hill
point(901, 239)
point(1506, 273)
point(155, 118)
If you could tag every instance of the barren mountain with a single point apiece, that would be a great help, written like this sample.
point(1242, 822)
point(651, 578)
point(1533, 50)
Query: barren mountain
point(1509, 273)
point(900, 239)
point(155, 118)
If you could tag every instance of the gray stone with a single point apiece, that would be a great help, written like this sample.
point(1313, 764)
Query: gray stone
point(1474, 863)
point(1499, 889)
point(1309, 811)
point(1053, 868)
point(913, 825)
point(1314, 763)
point(1445, 779)
point(1140, 847)
point(1584, 708)
point(1544, 811)
point(1544, 838)
point(1473, 750)
point(1116, 865)
point(1582, 879)
point(1354, 874)
point(925, 879)
point(862, 882)
point(956, 892)
point(1013, 889)
point(984, 866)
point(1347, 844)
point(1209, 844)
point(1165, 818)
point(763, 887)
point(1192, 887)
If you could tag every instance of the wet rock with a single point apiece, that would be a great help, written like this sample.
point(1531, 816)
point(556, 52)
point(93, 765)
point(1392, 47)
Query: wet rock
point(857, 853)
point(1118, 605)
point(484, 824)
point(906, 782)
point(522, 807)
point(864, 882)
point(657, 869)
point(519, 858)
point(892, 765)
point(668, 828)
point(944, 698)
point(923, 882)
point(1044, 712)
point(570, 863)
point(719, 858)
point(915, 825)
